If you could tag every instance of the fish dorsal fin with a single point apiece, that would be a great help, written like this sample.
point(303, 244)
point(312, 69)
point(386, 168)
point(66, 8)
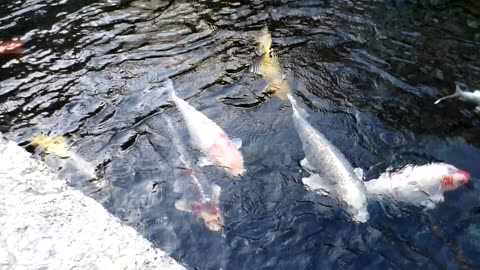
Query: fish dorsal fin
point(216, 191)
point(237, 142)
point(183, 205)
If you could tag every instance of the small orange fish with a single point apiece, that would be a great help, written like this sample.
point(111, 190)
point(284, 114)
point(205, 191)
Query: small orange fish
point(12, 47)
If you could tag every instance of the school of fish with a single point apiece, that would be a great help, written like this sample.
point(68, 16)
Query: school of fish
point(331, 174)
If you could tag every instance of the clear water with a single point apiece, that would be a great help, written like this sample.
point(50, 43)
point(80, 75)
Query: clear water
point(367, 71)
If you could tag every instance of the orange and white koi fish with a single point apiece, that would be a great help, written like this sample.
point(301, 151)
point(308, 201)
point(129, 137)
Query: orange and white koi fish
point(209, 138)
point(198, 195)
point(420, 185)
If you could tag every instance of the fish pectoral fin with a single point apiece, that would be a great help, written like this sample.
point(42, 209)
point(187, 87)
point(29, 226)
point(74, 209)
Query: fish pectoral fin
point(306, 165)
point(438, 198)
point(183, 205)
point(216, 191)
point(204, 161)
point(237, 142)
point(256, 66)
point(359, 173)
point(178, 187)
point(317, 184)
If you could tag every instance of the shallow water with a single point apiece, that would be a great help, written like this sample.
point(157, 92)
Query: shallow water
point(368, 73)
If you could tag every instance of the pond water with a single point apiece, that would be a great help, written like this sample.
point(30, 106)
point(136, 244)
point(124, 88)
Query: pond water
point(367, 71)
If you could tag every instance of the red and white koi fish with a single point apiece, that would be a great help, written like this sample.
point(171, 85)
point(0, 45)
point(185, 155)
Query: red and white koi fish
point(205, 206)
point(420, 185)
point(12, 47)
point(198, 195)
point(209, 138)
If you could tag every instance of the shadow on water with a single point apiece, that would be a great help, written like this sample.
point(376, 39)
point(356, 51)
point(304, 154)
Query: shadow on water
point(367, 71)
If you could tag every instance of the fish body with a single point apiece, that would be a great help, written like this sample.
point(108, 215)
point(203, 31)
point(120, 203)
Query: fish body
point(58, 146)
point(331, 172)
point(209, 138)
point(269, 67)
point(470, 97)
point(12, 47)
point(198, 195)
point(419, 185)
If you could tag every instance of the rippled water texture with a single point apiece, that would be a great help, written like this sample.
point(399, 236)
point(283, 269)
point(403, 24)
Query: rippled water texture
point(368, 72)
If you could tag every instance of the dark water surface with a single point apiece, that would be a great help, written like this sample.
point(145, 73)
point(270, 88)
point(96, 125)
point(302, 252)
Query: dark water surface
point(367, 71)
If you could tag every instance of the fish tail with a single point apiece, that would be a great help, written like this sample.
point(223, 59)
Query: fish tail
point(457, 93)
point(295, 107)
point(170, 89)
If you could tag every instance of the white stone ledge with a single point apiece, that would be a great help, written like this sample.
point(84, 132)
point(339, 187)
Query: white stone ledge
point(45, 224)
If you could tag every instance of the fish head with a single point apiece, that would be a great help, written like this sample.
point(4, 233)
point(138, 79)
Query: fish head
point(233, 162)
point(437, 176)
point(454, 178)
point(211, 216)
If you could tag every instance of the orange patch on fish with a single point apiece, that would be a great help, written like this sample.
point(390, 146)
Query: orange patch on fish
point(12, 47)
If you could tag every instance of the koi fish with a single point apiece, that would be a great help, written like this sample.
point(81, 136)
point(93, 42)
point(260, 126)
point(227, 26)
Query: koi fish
point(209, 138)
point(206, 207)
point(420, 185)
point(331, 173)
point(58, 146)
point(12, 47)
point(199, 197)
point(268, 66)
point(470, 97)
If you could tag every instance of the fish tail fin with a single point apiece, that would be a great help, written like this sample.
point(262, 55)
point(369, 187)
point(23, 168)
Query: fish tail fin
point(170, 89)
point(458, 92)
point(295, 107)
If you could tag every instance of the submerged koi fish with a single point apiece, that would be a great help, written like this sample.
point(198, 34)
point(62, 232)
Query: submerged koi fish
point(209, 138)
point(420, 185)
point(12, 47)
point(58, 146)
point(470, 97)
point(199, 196)
point(206, 207)
point(331, 173)
point(269, 67)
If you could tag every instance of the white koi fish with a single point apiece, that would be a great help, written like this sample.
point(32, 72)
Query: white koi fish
point(470, 97)
point(209, 138)
point(198, 196)
point(331, 173)
point(420, 185)
point(269, 67)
